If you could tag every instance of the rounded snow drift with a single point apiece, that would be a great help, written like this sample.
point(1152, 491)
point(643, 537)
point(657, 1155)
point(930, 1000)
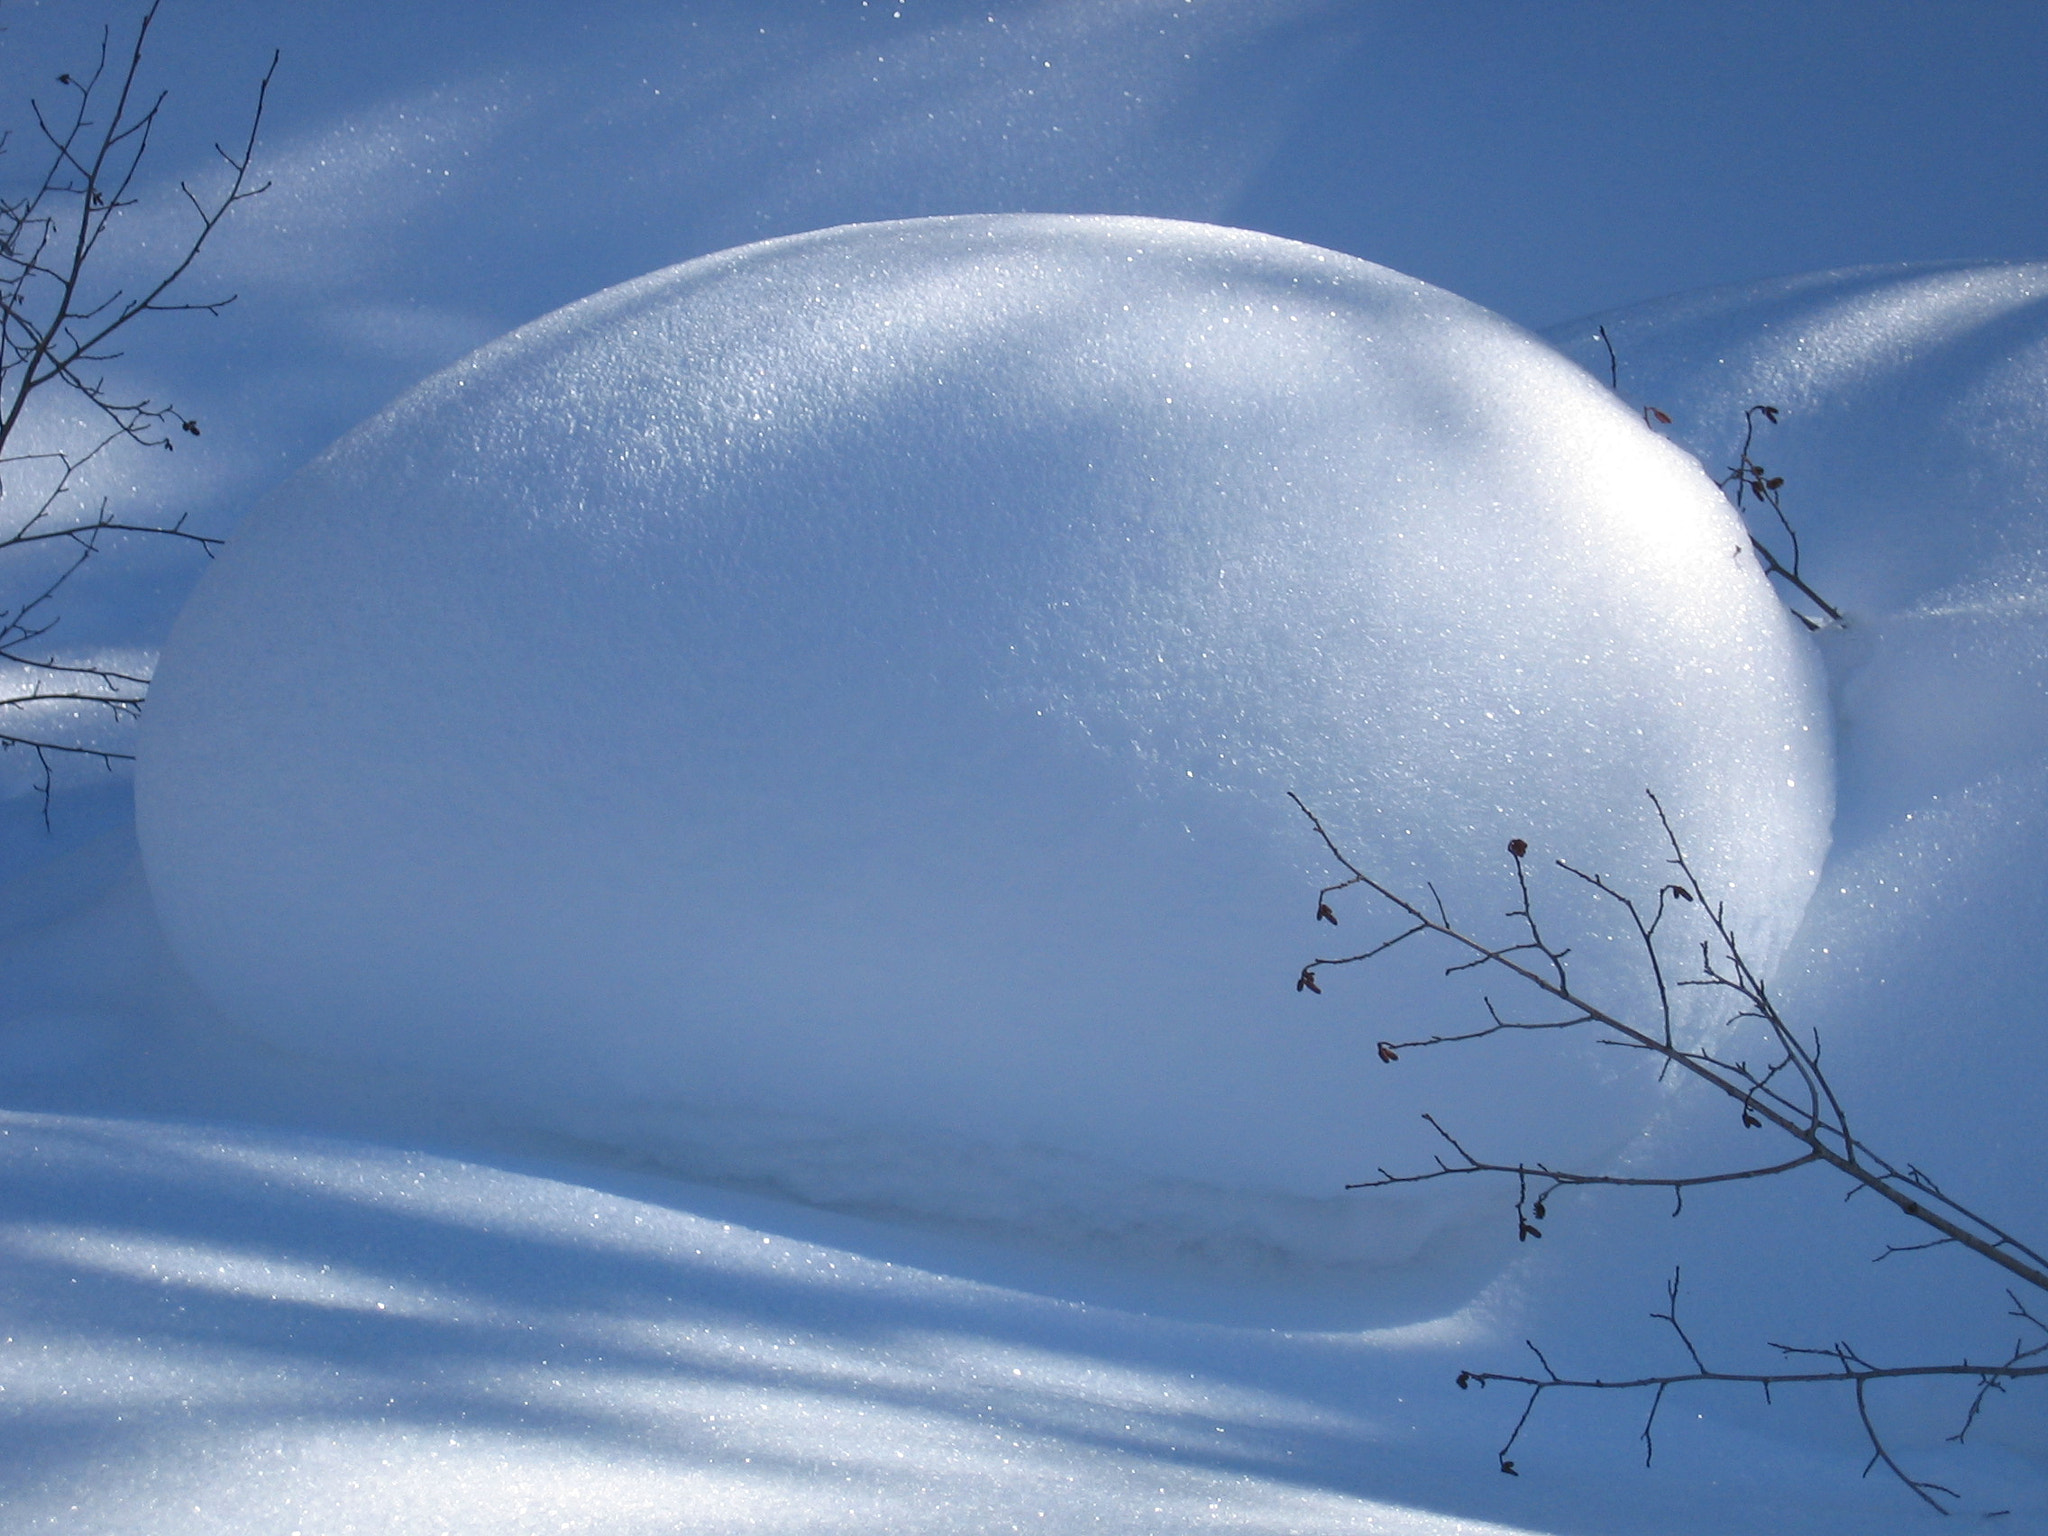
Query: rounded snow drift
point(823, 716)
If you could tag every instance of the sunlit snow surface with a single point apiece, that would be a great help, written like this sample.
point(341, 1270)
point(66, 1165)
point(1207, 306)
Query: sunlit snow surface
point(822, 716)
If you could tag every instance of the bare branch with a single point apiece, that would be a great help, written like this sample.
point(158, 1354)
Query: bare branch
point(1821, 1126)
point(60, 320)
point(1748, 481)
point(1788, 1092)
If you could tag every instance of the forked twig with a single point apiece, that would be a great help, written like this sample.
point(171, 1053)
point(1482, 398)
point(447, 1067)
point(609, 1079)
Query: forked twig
point(1748, 481)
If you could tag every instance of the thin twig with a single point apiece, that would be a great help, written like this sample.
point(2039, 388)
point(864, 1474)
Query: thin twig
point(60, 321)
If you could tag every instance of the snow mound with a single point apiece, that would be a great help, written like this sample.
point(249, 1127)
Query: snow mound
point(822, 716)
point(1913, 439)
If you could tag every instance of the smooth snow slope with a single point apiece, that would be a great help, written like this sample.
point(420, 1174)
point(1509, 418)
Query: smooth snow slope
point(215, 1331)
point(823, 716)
point(256, 1334)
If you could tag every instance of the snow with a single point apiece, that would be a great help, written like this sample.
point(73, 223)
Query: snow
point(822, 716)
point(544, 1355)
point(215, 1330)
point(247, 1288)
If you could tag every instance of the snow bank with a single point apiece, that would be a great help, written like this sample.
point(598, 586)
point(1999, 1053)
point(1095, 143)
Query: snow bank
point(1914, 446)
point(822, 716)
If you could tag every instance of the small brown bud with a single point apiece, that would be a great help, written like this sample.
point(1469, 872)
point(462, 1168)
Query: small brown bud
point(1307, 981)
point(1517, 847)
point(1325, 915)
point(1528, 1232)
point(1464, 1381)
point(1680, 892)
point(1388, 1053)
point(1660, 416)
point(1508, 1467)
point(1751, 1121)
